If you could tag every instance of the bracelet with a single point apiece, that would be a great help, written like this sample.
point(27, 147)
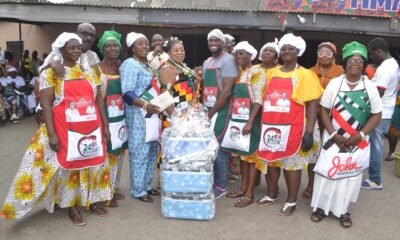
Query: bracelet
point(362, 135)
point(144, 106)
point(332, 135)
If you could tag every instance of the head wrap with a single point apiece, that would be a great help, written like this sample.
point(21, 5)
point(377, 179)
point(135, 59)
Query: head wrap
point(329, 45)
point(107, 36)
point(245, 45)
point(295, 41)
point(61, 40)
point(216, 33)
point(354, 48)
point(273, 45)
point(230, 37)
point(11, 69)
point(132, 37)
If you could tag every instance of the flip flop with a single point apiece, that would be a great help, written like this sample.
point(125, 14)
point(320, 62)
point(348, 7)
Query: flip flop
point(235, 194)
point(287, 209)
point(244, 202)
point(266, 200)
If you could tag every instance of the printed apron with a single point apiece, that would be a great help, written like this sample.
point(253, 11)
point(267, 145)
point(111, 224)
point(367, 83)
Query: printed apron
point(79, 127)
point(282, 121)
point(114, 106)
point(212, 88)
point(349, 113)
point(234, 141)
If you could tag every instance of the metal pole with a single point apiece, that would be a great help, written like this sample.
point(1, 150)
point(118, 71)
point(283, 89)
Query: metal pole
point(20, 43)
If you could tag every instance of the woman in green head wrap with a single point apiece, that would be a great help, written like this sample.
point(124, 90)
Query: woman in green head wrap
point(350, 109)
point(108, 72)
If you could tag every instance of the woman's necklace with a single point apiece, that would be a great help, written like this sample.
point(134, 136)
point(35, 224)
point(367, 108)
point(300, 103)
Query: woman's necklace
point(145, 66)
point(183, 69)
point(353, 83)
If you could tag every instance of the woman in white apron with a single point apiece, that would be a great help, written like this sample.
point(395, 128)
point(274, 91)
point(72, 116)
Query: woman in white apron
point(350, 109)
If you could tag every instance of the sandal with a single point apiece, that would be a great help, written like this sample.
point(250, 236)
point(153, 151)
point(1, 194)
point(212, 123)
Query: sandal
point(76, 217)
point(287, 209)
point(345, 220)
point(244, 202)
point(113, 203)
point(98, 209)
point(235, 194)
point(389, 158)
point(265, 201)
point(307, 194)
point(119, 196)
point(318, 215)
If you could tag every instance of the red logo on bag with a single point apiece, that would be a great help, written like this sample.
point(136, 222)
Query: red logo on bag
point(342, 167)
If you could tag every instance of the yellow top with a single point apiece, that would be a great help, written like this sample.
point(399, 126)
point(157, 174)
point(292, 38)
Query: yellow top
point(306, 83)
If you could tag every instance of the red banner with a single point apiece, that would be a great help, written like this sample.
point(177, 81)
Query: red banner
point(378, 8)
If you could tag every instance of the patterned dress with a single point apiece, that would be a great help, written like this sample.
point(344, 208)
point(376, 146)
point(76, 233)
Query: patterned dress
point(41, 182)
point(115, 160)
point(255, 77)
point(135, 77)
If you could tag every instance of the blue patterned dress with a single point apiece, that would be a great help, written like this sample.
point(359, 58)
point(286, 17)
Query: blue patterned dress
point(142, 156)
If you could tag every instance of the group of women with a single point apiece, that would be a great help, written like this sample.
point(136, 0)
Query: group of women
point(77, 162)
point(289, 98)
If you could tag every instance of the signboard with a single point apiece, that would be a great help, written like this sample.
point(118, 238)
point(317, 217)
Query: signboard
point(378, 8)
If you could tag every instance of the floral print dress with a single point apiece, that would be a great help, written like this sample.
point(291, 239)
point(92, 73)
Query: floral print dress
point(41, 182)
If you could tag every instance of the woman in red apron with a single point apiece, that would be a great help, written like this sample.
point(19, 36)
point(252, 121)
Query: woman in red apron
point(243, 131)
point(108, 72)
point(64, 162)
point(291, 95)
point(350, 109)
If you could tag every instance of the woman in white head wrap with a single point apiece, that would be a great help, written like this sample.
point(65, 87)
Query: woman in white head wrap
point(136, 77)
point(53, 170)
point(247, 95)
point(292, 92)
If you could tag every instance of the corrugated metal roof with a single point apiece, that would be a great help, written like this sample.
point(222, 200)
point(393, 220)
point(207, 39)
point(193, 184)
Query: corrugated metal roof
point(210, 5)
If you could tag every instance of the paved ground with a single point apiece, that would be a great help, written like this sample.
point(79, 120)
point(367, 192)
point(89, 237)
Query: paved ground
point(375, 216)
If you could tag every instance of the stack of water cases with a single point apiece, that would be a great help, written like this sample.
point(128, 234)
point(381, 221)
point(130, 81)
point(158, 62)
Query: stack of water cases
point(189, 150)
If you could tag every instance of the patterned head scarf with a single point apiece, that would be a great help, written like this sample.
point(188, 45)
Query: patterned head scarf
point(61, 40)
point(329, 45)
point(354, 48)
point(132, 37)
point(245, 45)
point(295, 41)
point(107, 36)
point(274, 45)
point(216, 33)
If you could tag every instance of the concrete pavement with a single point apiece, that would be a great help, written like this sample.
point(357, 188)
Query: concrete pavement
point(375, 216)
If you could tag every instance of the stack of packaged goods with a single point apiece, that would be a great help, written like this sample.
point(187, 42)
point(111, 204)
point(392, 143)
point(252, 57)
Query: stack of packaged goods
point(189, 149)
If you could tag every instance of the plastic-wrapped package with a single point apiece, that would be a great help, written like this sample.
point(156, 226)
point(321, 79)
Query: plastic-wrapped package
point(196, 207)
point(186, 181)
point(189, 140)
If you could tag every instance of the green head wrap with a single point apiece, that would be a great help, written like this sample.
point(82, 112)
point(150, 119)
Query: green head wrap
point(354, 48)
point(107, 36)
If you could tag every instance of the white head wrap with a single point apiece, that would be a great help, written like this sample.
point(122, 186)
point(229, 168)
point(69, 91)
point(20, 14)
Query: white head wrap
point(245, 45)
point(230, 37)
point(216, 33)
point(132, 37)
point(273, 45)
point(61, 40)
point(11, 69)
point(295, 41)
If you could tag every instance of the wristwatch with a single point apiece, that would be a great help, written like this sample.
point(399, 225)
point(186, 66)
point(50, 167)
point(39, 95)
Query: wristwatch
point(363, 137)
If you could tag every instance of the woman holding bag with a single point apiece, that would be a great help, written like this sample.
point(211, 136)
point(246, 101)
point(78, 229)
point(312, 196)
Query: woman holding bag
point(243, 132)
point(136, 77)
point(350, 109)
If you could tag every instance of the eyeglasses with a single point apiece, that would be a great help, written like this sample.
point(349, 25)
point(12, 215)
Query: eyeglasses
point(325, 53)
point(288, 49)
point(355, 61)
